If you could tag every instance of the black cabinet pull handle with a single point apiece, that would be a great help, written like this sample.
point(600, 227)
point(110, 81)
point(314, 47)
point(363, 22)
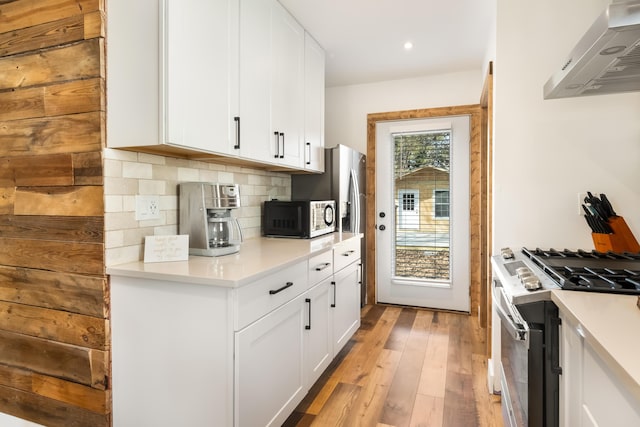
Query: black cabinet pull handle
point(237, 120)
point(334, 294)
point(309, 153)
point(277, 135)
point(275, 291)
point(348, 253)
point(282, 135)
point(323, 266)
point(308, 301)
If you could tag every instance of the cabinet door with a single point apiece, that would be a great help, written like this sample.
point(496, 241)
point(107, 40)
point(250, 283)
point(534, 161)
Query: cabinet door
point(287, 95)
point(345, 305)
point(133, 77)
point(605, 399)
point(200, 68)
point(591, 394)
point(268, 367)
point(271, 83)
point(318, 346)
point(256, 140)
point(571, 345)
point(314, 105)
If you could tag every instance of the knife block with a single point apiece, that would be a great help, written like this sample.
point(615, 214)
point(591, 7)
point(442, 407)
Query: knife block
point(621, 240)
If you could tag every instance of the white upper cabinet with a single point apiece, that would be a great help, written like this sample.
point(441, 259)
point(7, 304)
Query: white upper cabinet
point(200, 74)
point(133, 75)
point(287, 86)
point(314, 105)
point(271, 83)
point(172, 73)
point(218, 77)
point(255, 78)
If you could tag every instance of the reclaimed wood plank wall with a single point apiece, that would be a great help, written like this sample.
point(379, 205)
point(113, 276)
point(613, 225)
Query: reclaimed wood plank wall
point(54, 313)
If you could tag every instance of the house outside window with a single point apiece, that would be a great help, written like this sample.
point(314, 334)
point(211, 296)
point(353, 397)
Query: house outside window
point(441, 204)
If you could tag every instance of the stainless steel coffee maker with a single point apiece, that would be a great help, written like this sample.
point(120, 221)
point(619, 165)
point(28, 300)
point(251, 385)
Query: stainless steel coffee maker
point(205, 215)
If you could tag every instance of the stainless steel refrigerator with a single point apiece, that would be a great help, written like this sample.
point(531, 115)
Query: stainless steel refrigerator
point(343, 181)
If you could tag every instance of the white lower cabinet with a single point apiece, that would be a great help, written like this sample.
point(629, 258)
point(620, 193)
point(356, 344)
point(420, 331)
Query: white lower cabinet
point(345, 305)
point(571, 345)
point(605, 401)
point(318, 349)
point(268, 367)
point(280, 356)
point(172, 354)
point(591, 395)
point(202, 355)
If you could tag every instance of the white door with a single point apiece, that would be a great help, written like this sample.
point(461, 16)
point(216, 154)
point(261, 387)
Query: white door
point(422, 204)
point(408, 209)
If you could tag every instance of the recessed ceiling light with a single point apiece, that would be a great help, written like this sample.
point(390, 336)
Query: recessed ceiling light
point(408, 46)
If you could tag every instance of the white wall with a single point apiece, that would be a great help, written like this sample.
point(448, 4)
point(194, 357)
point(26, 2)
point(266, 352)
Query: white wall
point(347, 106)
point(546, 152)
point(7, 420)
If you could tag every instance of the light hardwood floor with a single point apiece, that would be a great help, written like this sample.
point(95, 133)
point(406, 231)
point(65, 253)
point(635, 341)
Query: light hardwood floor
point(405, 367)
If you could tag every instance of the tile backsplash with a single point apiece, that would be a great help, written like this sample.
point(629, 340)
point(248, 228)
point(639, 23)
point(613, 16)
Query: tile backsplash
point(128, 174)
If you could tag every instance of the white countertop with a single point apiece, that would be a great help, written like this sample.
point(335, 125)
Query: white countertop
point(610, 324)
point(257, 257)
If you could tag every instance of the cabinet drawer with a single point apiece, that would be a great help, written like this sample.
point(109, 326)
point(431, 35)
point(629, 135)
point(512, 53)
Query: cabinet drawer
point(345, 253)
point(257, 299)
point(320, 267)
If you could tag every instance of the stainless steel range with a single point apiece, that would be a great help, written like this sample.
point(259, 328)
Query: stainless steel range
point(526, 322)
point(525, 341)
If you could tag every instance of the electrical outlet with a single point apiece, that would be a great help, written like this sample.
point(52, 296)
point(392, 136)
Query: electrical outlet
point(147, 207)
point(581, 197)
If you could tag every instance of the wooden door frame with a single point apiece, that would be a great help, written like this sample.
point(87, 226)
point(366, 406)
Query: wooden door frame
point(486, 204)
point(475, 113)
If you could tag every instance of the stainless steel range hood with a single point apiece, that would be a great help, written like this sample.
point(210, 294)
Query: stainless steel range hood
point(606, 59)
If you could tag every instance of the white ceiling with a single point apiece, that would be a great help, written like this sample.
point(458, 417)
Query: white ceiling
point(364, 39)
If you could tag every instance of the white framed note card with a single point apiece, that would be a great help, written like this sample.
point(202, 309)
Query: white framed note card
point(166, 248)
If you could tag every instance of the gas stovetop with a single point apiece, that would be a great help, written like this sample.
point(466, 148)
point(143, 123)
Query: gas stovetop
point(590, 270)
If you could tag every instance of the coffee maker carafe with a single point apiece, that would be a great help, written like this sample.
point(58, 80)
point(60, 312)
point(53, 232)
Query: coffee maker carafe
point(205, 215)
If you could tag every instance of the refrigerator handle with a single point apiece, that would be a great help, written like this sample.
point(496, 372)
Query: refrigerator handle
point(355, 211)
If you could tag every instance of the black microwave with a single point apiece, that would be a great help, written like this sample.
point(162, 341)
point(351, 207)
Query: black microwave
point(302, 219)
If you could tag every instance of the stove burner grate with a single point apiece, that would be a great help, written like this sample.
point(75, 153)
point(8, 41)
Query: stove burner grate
point(590, 271)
